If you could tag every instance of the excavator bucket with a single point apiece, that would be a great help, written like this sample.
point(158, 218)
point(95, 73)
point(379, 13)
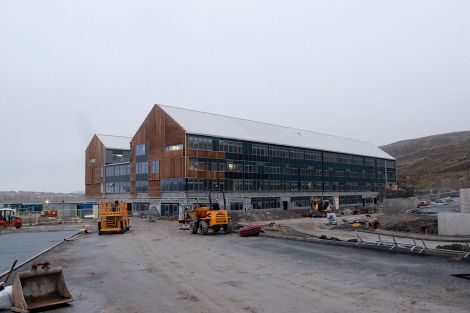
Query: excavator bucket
point(40, 288)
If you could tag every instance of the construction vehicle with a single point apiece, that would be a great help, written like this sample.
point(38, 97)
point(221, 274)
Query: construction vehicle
point(49, 213)
point(319, 208)
point(8, 218)
point(210, 217)
point(112, 217)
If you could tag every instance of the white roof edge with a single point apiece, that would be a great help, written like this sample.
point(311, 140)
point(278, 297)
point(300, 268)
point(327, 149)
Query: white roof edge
point(209, 124)
point(301, 147)
point(115, 142)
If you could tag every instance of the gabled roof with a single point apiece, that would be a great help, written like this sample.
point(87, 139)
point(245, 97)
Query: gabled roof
point(115, 142)
point(207, 124)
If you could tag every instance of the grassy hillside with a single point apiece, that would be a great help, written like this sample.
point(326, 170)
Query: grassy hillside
point(438, 161)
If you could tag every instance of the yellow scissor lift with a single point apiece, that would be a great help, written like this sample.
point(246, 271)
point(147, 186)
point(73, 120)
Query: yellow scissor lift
point(113, 217)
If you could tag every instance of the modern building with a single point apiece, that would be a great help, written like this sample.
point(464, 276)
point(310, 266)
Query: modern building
point(107, 168)
point(178, 155)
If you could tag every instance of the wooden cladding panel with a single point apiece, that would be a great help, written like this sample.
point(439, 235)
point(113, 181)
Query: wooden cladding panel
point(159, 130)
point(172, 168)
point(174, 134)
point(154, 176)
point(156, 153)
point(206, 154)
point(154, 188)
point(93, 170)
point(173, 154)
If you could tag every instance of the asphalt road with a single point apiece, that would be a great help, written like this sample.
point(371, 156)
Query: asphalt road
point(158, 268)
point(22, 246)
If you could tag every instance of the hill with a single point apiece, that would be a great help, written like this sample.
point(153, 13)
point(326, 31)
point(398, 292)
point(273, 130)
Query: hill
point(439, 161)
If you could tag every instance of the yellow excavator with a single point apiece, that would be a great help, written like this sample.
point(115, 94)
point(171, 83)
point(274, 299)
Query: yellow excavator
point(319, 208)
point(209, 217)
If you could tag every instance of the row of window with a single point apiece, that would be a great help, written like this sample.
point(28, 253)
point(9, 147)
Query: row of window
point(142, 167)
point(117, 170)
point(118, 187)
point(237, 147)
point(174, 148)
point(265, 203)
point(253, 185)
point(196, 164)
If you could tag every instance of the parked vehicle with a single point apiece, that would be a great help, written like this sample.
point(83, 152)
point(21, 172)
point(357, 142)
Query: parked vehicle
point(210, 217)
point(8, 218)
point(113, 217)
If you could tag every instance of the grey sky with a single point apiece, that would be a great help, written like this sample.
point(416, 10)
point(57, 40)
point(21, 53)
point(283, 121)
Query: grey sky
point(378, 71)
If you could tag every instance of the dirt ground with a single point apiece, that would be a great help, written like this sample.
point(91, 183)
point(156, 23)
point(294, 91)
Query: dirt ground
point(157, 267)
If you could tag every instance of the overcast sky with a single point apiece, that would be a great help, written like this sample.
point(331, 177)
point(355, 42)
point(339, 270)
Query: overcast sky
point(379, 71)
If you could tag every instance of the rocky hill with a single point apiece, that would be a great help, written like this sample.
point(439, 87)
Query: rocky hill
point(38, 197)
point(438, 162)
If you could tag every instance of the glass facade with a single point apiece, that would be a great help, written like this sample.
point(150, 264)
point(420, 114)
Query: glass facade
point(117, 178)
point(254, 167)
point(141, 168)
point(117, 156)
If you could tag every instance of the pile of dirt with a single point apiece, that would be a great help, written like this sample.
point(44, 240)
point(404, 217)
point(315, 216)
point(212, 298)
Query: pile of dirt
point(410, 224)
point(455, 247)
point(257, 216)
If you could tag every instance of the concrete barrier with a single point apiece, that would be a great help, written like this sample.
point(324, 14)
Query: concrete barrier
point(464, 200)
point(399, 205)
point(453, 224)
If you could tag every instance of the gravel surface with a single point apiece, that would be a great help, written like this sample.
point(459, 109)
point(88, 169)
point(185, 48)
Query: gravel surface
point(157, 267)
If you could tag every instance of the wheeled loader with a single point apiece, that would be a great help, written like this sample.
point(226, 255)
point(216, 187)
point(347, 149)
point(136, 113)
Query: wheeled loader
point(210, 217)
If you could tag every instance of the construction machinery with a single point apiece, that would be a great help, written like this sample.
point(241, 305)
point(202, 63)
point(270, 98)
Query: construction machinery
point(39, 288)
point(113, 217)
point(8, 218)
point(319, 208)
point(210, 217)
point(49, 213)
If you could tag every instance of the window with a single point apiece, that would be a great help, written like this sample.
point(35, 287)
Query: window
point(313, 156)
point(141, 149)
point(171, 185)
point(265, 203)
point(92, 161)
point(236, 206)
point(299, 202)
point(141, 168)
point(195, 185)
point(199, 143)
point(141, 186)
point(330, 157)
point(259, 149)
point(155, 166)
point(174, 148)
point(278, 152)
point(169, 209)
point(231, 146)
point(296, 154)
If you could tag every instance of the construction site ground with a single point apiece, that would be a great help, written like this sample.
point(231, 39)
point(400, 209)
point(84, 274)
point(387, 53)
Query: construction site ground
point(320, 226)
point(157, 267)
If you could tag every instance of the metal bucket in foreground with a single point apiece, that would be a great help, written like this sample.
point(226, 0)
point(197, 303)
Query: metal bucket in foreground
point(40, 288)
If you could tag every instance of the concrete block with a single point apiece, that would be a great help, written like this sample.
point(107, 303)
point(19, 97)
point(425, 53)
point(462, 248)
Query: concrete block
point(399, 205)
point(464, 200)
point(453, 224)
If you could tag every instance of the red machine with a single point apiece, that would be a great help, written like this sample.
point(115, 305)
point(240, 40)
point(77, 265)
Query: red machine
point(8, 219)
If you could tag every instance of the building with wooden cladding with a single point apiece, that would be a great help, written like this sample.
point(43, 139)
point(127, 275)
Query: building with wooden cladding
point(107, 167)
point(178, 154)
